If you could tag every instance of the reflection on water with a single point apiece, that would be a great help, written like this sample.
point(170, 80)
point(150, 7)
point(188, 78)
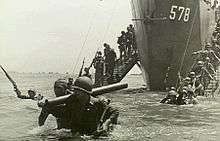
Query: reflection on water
point(142, 117)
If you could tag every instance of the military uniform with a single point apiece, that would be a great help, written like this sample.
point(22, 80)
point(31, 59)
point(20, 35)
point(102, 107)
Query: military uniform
point(107, 58)
point(31, 95)
point(122, 41)
point(81, 112)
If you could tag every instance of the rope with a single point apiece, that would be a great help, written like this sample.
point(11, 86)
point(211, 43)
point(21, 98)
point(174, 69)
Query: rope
point(108, 27)
point(188, 40)
point(135, 16)
point(142, 26)
point(84, 42)
point(87, 35)
point(109, 24)
point(141, 13)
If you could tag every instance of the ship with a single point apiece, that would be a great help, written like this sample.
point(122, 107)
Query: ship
point(167, 33)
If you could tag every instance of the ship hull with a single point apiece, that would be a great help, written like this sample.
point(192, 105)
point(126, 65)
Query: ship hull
point(167, 32)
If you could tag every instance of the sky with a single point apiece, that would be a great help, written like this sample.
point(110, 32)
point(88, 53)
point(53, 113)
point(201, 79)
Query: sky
point(48, 35)
point(55, 35)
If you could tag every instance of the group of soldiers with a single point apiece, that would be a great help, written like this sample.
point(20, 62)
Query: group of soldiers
point(127, 43)
point(104, 64)
point(202, 72)
point(81, 111)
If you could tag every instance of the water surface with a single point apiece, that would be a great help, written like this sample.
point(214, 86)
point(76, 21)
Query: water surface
point(142, 117)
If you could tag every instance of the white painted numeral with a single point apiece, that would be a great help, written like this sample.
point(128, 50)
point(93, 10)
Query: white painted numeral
point(186, 16)
point(181, 9)
point(173, 12)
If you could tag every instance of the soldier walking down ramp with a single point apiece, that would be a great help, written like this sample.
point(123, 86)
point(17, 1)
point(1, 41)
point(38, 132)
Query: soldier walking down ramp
point(122, 41)
point(98, 63)
point(107, 58)
point(129, 36)
point(112, 60)
point(87, 73)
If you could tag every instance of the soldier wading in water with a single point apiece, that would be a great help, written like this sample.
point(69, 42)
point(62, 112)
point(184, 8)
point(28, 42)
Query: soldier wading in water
point(82, 113)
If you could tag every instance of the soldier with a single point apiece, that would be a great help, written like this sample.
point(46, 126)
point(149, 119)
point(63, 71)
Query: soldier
point(184, 83)
point(129, 35)
point(131, 28)
point(69, 86)
point(197, 68)
point(218, 23)
point(112, 60)
point(218, 36)
point(171, 97)
point(200, 55)
point(99, 69)
point(122, 41)
point(191, 98)
point(214, 58)
point(31, 95)
point(209, 67)
point(134, 45)
point(107, 58)
point(211, 54)
point(196, 84)
point(216, 49)
point(86, 73)
point(208, 72)
point(83, 113)
point(181, 99)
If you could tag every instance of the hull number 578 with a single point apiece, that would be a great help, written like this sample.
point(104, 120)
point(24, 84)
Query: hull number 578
point(179, 13)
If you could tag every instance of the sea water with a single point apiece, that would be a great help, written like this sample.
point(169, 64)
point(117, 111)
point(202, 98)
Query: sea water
point(141, 118)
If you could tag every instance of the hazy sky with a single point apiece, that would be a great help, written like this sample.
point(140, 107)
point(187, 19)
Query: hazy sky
point(47, 35)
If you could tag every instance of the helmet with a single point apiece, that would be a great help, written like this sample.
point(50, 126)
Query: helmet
point(99, 53)
point(184, 91)
point(185, 88)
point(70, 79)
point(122, 32)
point(31, 93)
point(208, 45)
point(200, 63)
point(86, 70)
point(172, 88)
point(207, 59)
point(187, 79)
point(84, 84)
point(192, 73)
point(214, 40)
point(105, 44)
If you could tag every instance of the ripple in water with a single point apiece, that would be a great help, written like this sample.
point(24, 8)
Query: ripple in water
point(142, 117)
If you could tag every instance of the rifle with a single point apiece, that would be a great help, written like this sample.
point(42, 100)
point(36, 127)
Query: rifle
point(9, 78)
point(93, 60)
point(80, 72)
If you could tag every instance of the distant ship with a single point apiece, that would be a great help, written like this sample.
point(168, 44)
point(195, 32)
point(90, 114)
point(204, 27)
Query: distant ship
point(167, 33)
